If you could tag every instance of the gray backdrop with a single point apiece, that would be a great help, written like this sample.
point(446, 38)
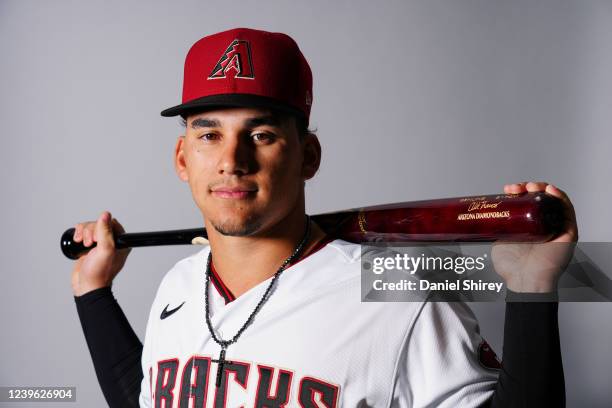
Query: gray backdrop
point(412, 100)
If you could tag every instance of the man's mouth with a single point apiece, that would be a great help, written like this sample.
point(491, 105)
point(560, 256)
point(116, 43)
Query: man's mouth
point(233, 192)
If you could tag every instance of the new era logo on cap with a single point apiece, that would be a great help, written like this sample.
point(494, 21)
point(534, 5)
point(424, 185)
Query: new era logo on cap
point(244, 67)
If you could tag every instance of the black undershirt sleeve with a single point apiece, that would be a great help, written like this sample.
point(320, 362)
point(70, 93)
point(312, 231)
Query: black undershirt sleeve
point(532, 367)
point(114, 347)
point(531, 374)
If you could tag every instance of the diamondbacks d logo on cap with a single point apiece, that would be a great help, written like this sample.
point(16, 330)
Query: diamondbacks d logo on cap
point(237, 57)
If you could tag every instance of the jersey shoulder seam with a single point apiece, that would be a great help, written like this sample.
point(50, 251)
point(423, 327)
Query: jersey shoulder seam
point(400, 350)
point(178, 265)
point(341, 245)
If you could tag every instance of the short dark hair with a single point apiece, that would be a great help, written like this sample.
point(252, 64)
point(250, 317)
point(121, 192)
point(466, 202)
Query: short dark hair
point(300, 122)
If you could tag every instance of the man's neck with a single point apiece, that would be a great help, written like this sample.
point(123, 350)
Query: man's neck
point(244, 262)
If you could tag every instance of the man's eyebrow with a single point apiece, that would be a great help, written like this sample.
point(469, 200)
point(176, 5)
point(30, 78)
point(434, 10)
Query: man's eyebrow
point(204, 123)
point(269, 120)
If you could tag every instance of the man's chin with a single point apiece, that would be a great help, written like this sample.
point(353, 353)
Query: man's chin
point(237, 229)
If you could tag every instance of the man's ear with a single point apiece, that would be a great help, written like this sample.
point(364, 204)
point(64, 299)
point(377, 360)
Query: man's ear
point(180, 164)
point(312, 156)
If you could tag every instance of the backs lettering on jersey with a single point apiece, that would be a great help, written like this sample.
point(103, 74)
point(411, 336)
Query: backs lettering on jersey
point(189, 383)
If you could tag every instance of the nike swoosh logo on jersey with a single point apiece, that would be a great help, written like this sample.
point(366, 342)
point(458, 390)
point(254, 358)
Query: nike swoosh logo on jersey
point(165, 313)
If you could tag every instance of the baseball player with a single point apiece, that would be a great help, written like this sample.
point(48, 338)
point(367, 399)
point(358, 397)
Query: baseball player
point(269, 313)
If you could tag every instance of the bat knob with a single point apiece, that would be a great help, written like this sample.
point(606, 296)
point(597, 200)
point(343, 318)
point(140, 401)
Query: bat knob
point(71, 249)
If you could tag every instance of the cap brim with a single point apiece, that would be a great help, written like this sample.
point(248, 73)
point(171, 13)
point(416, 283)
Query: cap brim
point(228, 101)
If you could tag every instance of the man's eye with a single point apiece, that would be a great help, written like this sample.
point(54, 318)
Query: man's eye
point(207, 136)
point(261, 137)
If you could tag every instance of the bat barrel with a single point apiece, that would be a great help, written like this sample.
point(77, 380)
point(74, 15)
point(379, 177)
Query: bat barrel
point(529, 217)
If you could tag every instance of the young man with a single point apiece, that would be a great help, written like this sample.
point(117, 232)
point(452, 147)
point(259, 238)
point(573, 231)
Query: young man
point(269, 314)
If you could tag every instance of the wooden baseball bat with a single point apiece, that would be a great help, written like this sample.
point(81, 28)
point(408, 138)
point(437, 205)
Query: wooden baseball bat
point(527, 217)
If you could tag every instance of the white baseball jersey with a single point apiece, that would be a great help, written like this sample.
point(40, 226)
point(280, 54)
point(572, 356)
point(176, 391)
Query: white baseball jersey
point(313, 343)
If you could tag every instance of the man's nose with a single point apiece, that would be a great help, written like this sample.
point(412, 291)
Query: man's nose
point(235, 157)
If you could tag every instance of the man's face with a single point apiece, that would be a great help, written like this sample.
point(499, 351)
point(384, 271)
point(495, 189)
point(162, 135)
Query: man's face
point(245, 167)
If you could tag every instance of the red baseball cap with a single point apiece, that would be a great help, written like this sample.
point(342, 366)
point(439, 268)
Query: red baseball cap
point(244, 67)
